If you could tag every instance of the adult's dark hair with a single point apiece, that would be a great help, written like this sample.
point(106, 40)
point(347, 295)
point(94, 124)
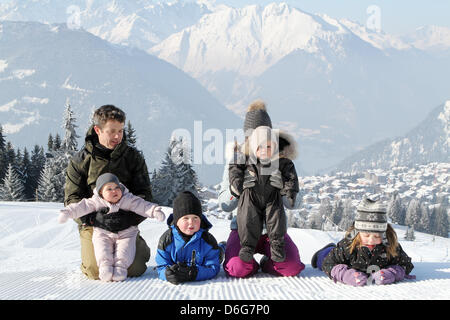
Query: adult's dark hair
point(107, 112)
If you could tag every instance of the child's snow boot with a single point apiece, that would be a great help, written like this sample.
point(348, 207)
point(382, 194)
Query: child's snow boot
point(317, 258)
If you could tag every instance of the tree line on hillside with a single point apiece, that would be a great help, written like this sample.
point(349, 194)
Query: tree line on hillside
point(40, 176)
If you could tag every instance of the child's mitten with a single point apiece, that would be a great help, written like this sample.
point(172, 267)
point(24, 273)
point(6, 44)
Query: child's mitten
point(389, 275)
point(171, 275)
point(249, 179)
point(276, 180)
point(344, 274)
point(64, 215)
point(157, 213)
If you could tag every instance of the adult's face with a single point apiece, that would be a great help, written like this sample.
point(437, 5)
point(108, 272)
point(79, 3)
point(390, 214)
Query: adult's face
point(111, 134)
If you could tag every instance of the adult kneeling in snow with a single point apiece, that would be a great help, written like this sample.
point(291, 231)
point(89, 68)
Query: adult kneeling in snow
point(106, 150)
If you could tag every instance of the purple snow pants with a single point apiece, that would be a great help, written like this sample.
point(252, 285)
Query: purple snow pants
point(235, 267)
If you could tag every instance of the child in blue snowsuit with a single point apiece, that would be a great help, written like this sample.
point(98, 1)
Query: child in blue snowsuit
point(187, 251)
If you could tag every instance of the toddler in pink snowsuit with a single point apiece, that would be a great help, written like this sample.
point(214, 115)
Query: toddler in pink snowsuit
point(114, 252)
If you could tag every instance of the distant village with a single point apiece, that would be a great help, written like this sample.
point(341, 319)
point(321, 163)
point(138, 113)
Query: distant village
point(323, 200)
point(427, 183)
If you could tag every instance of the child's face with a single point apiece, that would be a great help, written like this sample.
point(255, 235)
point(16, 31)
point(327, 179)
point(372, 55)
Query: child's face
point(370, 239)
point(264, 151)
point(189, 224)
point(111, 192)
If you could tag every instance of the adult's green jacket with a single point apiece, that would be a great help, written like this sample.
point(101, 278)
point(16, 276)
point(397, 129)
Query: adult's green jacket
point(127, 163)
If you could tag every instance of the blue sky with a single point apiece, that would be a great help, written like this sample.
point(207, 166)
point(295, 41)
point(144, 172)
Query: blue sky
point(397, 16)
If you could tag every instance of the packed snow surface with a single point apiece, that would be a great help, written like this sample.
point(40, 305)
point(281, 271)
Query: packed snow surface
point(40, 259)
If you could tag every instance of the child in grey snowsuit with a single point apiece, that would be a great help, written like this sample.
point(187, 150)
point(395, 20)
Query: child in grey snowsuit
point(260, 200)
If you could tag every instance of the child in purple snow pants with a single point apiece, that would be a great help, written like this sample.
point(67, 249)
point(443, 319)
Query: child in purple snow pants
point(235, 267)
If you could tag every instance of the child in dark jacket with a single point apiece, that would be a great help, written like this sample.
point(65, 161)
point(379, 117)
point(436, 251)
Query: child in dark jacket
point(264, 152)
point(369, 252)
point(187, 251)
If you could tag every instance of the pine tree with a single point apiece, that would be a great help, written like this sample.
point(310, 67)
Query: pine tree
point(50, 143)
point(424, 221)
point(57, 142)
point(337, 213)
point(51, 182)
point(69, 142)
point(441, 224)
point(46, 187)
point(131, 135)
point(2, 140)
point(3, 163)
point(37, 165)
point(413, 213)
point(175, 174)
point(18, 159)
point(24, 173)
point(347, 215)
point(10, 154)
point(12, 187)
point(53, 177)
point(153, 185)
point(395, 210)
point(185, 176)
point(163, 182)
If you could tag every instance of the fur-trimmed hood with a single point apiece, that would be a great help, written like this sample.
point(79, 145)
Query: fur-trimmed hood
point(287, 147)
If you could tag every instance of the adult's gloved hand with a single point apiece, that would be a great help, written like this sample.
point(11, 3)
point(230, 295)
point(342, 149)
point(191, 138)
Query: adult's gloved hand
point(115, 221)
point(389, 275)
point(344, 274)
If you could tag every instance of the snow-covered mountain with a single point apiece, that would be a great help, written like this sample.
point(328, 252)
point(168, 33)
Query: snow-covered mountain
point(430, 38)
point(337, 85)
point(44, 66)
point(243, 40)
point(427, 142)
point(138, 23)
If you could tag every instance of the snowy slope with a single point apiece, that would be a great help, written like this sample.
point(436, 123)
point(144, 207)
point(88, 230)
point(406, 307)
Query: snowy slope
point(39, 259)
